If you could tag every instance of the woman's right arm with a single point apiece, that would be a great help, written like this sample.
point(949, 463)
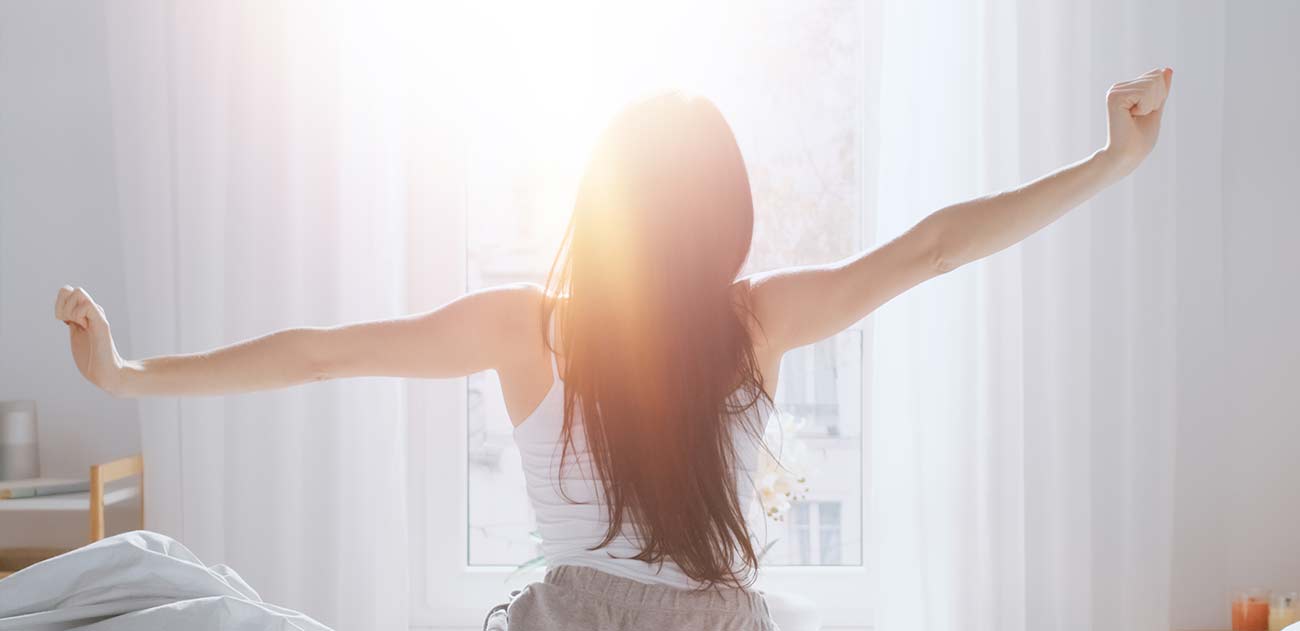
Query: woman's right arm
point(489, 329)
point(802, 305)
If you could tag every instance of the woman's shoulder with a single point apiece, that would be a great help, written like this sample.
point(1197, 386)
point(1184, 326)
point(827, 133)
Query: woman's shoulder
point(509, 313)
point(517, 324)
point(518, 305)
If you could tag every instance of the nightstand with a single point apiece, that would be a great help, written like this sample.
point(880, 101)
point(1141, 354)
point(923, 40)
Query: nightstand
point(49, 510)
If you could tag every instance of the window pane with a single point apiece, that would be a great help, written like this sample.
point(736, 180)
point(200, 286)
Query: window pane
point(801, 531)
point(817, 438)
point(788, 76)
point(828, 534)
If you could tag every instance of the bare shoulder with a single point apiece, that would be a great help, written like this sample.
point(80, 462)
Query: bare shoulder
point(770, 298)
point(501, 324)
point(515, 296)
point(801, 305)
point(525, 365)
point(515, 310)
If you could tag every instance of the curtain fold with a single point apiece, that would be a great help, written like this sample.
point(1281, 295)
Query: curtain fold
point(261, 187)
point(1024, 407)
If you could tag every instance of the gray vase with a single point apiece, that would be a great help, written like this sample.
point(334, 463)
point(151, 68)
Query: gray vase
point(18, 453)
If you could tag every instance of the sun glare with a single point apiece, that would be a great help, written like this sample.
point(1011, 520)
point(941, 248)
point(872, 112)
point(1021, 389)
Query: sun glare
point(544, 79)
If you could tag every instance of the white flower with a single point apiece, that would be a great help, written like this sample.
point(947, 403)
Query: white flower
point(782, 476)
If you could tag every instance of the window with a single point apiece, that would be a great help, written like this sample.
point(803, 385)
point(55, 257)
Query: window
point(817, 533)
point(791, 79)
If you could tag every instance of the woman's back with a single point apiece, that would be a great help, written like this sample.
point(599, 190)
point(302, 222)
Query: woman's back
point(572, 516)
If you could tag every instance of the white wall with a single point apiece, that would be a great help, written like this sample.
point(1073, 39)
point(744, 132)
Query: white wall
point(58, 225)
point(1238, 478)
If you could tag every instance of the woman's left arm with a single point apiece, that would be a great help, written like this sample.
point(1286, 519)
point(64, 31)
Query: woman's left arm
point(490, 329)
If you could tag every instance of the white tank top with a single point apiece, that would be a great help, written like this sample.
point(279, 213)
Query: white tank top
point(568, 527)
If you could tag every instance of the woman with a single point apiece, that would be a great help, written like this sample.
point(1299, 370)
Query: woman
point(638, 377)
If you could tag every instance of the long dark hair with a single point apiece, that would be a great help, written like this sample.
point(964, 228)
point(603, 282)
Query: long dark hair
point(654, 341)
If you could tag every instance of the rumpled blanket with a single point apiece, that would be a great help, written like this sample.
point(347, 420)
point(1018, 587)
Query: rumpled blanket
point(137, 581)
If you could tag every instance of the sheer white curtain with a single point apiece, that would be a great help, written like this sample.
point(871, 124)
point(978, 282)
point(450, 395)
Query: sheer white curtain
point(261, 182)
point(1024, 407)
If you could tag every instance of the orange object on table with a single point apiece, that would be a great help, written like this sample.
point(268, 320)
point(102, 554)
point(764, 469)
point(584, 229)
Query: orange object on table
point(1250, 612)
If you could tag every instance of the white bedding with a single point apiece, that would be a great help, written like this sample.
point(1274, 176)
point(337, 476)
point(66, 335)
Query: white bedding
point(141, 581)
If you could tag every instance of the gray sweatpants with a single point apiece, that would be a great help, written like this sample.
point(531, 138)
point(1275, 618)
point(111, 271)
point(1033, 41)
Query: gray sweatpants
point(575, 598)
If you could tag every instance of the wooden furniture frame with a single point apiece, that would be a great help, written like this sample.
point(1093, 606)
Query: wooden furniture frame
point(14, 559)
point(102, 474)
